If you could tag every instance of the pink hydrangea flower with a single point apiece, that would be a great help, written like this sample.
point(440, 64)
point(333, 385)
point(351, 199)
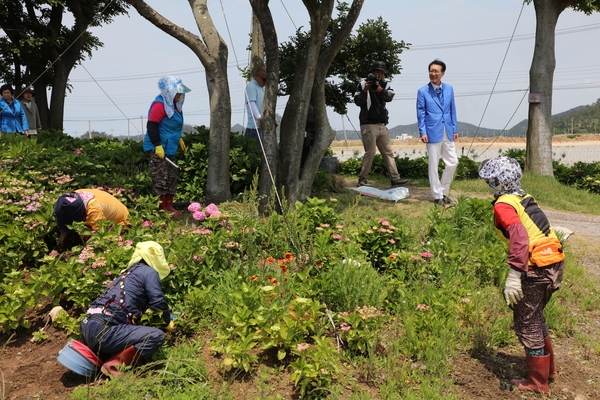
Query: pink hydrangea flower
point(426, 255)
point(212, 209)
point(195, 207)
point(148, 224)
point(199, 215)
point(303, 346)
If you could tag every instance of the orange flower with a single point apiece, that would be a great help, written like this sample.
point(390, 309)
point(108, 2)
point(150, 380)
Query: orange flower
point(253, 278)
point(289, 256)
point(284, 268)
point(270, 260)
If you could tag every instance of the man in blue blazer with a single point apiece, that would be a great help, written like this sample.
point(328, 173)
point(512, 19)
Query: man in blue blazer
point(436, 117)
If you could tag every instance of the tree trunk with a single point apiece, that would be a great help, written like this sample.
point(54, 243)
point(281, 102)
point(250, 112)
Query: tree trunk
point(311, 74)
point(257, 51)
point(268, 172)
point(57, 97)
point(214, 61)
point(541, 75)
point(212, 52)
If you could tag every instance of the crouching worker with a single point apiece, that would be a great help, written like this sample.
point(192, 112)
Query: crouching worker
point(89, 205)
point(109, 328)
point(536, 262)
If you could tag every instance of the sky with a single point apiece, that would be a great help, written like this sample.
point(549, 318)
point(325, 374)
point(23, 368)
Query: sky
point(112, 91)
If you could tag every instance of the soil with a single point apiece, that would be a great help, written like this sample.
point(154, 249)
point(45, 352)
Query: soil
point(29, 370)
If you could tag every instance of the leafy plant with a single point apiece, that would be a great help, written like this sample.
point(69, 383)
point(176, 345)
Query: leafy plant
point(315, 367)
point(360, 328)
point(380, 239)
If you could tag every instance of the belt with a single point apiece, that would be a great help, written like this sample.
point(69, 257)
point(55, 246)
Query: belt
point(98, 310)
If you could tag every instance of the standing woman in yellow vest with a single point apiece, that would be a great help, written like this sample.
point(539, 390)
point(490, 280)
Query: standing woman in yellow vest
point(536, 264)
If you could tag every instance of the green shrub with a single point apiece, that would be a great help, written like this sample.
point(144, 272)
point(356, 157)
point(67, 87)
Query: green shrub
point(381, 238)
point(349, 284)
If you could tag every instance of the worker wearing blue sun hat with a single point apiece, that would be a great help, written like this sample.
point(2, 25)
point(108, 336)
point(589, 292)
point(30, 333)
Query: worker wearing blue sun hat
point(163, 138)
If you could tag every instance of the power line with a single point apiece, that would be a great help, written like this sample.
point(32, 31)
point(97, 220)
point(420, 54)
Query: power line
point(516, 38)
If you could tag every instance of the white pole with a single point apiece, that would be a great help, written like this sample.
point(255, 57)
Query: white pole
point(89, 129)
point(344, 129)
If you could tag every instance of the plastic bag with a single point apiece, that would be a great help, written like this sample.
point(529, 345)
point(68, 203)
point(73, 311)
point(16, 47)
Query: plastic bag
point(393, 194)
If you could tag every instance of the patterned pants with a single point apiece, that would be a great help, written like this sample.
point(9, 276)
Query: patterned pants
point(164, 175)
point(528, 314)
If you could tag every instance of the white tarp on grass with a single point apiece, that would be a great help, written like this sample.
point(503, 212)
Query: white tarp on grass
point(393, 194)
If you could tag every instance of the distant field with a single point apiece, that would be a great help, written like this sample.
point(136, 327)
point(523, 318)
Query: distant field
point(567, 149)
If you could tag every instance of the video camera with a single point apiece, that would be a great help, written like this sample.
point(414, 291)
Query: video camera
point(373, 80)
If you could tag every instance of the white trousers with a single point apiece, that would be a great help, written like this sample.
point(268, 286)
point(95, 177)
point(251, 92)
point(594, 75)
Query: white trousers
point(447, 152)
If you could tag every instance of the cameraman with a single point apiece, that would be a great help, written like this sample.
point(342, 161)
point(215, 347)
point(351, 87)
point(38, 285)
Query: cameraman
point(371, 96)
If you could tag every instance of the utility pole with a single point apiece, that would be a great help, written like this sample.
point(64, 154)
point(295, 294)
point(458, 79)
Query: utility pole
point(344, 129)
point(89, 129)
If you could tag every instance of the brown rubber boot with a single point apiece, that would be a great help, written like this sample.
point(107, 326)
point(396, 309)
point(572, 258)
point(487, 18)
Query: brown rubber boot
point(126, 357)
point(548, 349)
point(538, 368)
point(163, 203)
point(169, 207)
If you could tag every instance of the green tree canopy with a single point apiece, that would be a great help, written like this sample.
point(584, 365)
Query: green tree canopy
point(44, 40)
point(372, 41)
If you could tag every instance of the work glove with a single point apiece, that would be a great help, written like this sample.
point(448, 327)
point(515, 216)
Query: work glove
point(170, 327)
point(160, 152)
point(182, 145)
point(512, 288)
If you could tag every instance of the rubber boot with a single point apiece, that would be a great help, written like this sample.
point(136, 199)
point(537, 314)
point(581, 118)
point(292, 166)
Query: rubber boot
point(548, 349)
point(163, 203)
point(126, 357)
point(169, 207)
point(538, 368)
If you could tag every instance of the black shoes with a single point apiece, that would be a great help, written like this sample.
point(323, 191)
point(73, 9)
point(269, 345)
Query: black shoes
point(443, 201)
point(400, 182)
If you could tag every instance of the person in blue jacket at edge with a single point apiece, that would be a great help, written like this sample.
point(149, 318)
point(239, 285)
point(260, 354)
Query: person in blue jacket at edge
point(109, 328)
point(12, 115)
point(163, 137)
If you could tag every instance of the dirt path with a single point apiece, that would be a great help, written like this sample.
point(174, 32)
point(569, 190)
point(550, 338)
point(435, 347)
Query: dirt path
point(580, 224)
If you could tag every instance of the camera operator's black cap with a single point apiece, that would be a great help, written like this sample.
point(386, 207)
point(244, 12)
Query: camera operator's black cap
point(380, 65)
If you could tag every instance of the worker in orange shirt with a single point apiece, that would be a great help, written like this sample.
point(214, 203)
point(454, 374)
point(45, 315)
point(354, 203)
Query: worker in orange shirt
point(89, 205)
